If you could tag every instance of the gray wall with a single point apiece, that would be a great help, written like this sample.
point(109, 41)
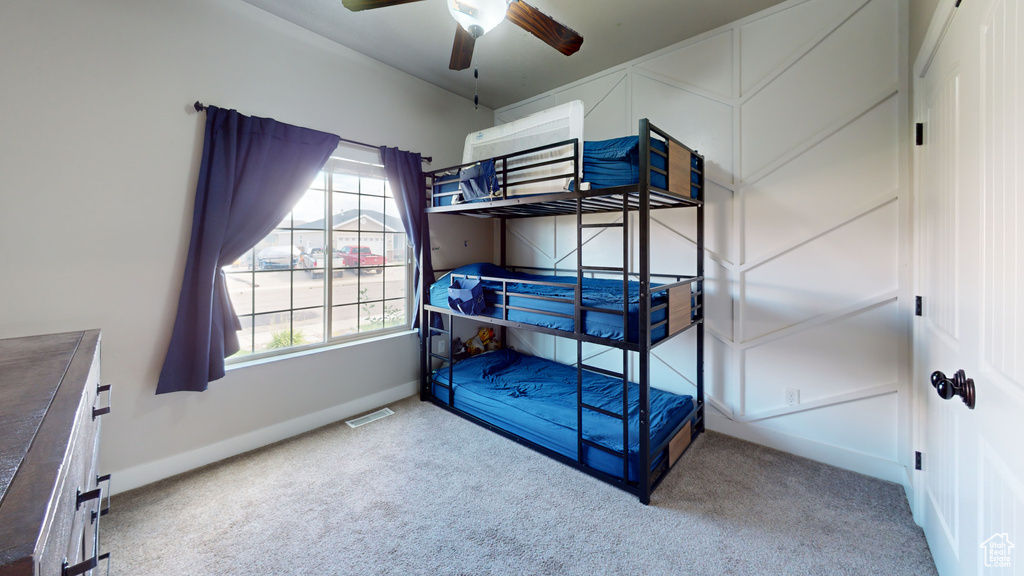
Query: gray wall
point(99, 149)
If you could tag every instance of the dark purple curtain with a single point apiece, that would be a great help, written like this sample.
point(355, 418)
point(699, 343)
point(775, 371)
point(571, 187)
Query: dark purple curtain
point(405, 175)
point(253, 171)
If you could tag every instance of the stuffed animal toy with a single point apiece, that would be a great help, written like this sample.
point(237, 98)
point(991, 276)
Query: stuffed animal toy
point(479, 342)
point(494, 344)
point(459, 351)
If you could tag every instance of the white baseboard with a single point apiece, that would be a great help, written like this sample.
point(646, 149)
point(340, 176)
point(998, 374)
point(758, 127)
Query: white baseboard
point(818, 451)
point(136, 476)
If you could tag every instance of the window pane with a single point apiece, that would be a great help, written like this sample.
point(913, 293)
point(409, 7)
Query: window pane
point(345, 287)
point(395, 313)
point(373, 214)
point(307, 291)
point(396, 279)
point(244, 337)
point(373, 186)
point(308, 326)
point(310, 244)
point(396, 249)
point(276, 252)
point(377, 315)
point(320, 182)
point(309, 211)
point(272, 331)
point(394, 222)
point(375, 242)
point(387, 188)
point(344, 182)
point(371, 286)
point(240, 291)
point(273, 291)
point(243, 263)
point(343, 321)
point(346, 212)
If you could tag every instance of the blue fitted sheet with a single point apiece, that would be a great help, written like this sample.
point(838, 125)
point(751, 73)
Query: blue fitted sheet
point(597, 293)
point(535, 399)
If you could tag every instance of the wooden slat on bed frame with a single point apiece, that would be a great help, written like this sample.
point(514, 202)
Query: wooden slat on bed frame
point(679, 308)
point(678, 444)
point(678, 169)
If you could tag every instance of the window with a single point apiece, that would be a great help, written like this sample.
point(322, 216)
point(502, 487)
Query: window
point(318, 280)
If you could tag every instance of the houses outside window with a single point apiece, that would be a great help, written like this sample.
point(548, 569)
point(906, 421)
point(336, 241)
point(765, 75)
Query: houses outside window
point(337, 268)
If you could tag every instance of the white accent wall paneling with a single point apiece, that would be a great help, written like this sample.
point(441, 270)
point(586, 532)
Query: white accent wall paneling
point(798, 111)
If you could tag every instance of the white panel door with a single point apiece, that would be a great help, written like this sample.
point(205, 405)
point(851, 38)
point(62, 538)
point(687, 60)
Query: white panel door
point(971, 176)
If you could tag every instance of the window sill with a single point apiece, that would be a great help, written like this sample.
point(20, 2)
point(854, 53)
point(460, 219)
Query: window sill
point(245, 361)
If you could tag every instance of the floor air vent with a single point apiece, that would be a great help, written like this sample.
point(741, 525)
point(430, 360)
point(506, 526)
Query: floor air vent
point(372, 416)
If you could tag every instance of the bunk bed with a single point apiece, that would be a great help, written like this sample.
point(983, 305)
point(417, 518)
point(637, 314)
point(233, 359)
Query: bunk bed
point(624, 432)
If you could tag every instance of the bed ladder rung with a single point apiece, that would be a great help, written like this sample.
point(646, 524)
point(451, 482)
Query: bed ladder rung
point(608, 373)
point(603, 225)
point(603, 448)
point(620, 270)
point(601, 411)
point(439, 357)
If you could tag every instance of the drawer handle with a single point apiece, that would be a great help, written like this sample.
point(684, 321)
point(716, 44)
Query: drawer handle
point(102, 511)
point(85, 566)
point(84, 497)
point(80, 568)
point(96, 412)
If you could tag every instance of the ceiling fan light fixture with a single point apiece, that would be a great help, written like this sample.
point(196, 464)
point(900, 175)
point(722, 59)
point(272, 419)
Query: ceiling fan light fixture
point(478, 17)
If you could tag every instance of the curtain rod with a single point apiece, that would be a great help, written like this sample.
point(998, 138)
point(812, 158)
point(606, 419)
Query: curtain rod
point(200, 107)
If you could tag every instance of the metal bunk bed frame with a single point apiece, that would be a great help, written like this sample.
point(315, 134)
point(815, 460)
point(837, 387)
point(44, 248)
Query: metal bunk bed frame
point(641, 198)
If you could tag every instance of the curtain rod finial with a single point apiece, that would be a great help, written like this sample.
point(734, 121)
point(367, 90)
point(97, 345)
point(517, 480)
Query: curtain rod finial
point(199, 106)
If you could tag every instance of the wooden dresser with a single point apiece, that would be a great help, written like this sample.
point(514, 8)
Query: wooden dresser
point(51, 500)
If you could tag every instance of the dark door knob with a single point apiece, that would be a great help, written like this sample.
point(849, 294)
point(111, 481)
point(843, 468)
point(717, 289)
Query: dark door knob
point(959, 385)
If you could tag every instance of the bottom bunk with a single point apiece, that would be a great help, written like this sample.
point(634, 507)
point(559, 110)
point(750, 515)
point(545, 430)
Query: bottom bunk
point(535, 400)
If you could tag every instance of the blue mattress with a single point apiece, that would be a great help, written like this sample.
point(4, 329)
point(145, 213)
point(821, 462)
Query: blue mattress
point(597, 293)
point(606, 163)
point(535, 399)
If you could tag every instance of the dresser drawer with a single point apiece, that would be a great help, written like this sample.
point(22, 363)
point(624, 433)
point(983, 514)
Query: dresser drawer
point(50, 415)
point(72, 512)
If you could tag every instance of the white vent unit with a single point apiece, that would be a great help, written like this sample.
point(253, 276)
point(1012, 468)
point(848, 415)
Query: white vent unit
point(557, 124)
point(371, 417)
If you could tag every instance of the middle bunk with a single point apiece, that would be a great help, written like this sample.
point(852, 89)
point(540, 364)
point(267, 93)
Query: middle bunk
point(619, 429)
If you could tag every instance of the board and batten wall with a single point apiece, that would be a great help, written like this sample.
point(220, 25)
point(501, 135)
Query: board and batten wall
point(798, 110)
point(99, 155)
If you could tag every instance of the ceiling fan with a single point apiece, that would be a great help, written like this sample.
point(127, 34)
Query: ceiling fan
point(477, 17)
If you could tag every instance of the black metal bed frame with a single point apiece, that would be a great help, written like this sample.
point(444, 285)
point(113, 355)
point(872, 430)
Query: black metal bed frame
point(641, 198)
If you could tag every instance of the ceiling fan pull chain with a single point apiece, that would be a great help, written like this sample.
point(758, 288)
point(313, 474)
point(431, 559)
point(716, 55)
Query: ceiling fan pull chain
point(476, 89)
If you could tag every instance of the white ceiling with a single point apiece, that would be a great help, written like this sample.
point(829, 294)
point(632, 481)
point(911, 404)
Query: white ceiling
point(513, 64)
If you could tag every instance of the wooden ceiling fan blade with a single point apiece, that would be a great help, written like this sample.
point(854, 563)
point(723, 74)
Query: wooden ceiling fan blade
point(462, 49)
point(356, 5)
point(558, 36)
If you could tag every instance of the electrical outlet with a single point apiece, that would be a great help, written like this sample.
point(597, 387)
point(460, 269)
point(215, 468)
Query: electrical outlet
point(792, 396)
point(442, 346)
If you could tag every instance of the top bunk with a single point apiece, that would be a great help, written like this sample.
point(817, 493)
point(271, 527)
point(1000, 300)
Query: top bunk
point(516, 170)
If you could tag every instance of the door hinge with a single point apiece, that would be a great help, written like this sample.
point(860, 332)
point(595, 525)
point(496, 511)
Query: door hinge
point(919, 133)
point(918, 306)
point(917, 460)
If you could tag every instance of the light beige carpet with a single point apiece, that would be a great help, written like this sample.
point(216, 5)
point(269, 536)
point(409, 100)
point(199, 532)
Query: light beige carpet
point(426, 492)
